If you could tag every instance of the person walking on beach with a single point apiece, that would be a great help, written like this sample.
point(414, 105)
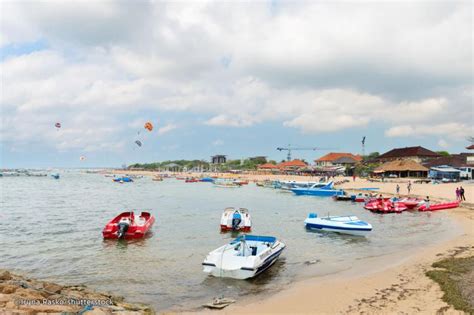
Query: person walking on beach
point(458, 193)
point(398, 189)
point(409, 187)
point(461, 194)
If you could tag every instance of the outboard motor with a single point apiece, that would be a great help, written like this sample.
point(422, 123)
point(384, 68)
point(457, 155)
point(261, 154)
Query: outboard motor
point(236, 219)
point(122, 229)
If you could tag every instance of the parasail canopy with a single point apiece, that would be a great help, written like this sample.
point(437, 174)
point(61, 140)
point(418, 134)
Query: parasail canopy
point(148, 126)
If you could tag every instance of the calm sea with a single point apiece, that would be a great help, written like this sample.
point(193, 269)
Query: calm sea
point(51, 229)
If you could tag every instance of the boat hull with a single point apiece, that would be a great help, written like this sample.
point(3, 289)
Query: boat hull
point(359, 228)
point(317, 192)
point(243, 258)
point(226, 228)
point(243, 273)
point(133, 232)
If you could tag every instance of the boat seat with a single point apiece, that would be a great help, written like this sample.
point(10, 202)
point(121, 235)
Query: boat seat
point(140, 221)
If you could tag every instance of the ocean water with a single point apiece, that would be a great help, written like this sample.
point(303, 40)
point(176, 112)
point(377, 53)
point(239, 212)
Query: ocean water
point(51, 229)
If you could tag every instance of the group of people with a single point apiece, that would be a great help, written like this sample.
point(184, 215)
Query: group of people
point(408, 188)
point(460, 194)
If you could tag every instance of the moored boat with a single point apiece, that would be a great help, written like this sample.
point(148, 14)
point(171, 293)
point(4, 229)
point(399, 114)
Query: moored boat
point(236, 220)
point(225, 183)
point(245, 257)
point(439, 206)
point(340, 224)
point(322, 190)
point(342, 198)
point(385, 206)
point(127, 226)
point(123, 179)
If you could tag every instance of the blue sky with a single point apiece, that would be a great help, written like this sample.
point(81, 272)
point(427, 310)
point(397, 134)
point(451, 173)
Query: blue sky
point(232, 78)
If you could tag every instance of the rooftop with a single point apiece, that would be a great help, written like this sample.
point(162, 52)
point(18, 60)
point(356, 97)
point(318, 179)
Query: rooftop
point(455, 160)
point(294, 163)
point(400, 166)
point(333, 156)
point(407, 152)
point(267, 166)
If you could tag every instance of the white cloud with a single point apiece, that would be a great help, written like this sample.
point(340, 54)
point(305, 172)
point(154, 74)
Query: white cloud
point(443, 144)
point(453, 130)
point(167, 128)
point(218, 142)
point(352, 64)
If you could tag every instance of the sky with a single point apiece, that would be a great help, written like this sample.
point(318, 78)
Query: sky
point(231, 77)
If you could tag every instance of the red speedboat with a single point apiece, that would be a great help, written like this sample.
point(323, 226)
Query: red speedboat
point(192, 180)
point(126, 226)
point(439, 206)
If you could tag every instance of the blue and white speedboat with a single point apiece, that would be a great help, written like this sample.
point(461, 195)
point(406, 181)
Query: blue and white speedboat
point(340, 224)
point(319, 189)
point(245, 257)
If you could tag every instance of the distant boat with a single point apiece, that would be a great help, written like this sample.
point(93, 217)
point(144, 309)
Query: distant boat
point(245, 257)
point(236, 220)
point(322, 190)
point(289, 185)
point(339, 224)
point(123, 179)
point(225, 183)
point(207, 179)
point(126, 225)
point(55, 175)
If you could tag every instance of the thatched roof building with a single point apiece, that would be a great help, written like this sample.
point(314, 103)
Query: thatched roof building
point(402, 168)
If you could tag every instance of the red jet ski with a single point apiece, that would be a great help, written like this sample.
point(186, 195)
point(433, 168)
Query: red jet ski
point(126, 226)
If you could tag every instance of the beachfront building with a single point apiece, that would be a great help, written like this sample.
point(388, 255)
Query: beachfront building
point(292, 166)
point(417, 154)
point(268, 168)
point(338, 159)
point(218, 159)
point(401, 168)
point(445, 172)
point(462, 161)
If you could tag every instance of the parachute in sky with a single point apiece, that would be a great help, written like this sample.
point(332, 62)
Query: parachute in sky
point(148, 126)
point(82, 158)
point(57, 125)
point(138, 142)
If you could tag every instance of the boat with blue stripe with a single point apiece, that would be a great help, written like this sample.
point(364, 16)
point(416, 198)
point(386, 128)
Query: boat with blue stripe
point(340, 224)
point(322, 190)
point(245, 257)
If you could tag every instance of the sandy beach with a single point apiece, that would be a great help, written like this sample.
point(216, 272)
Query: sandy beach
point(401, 288)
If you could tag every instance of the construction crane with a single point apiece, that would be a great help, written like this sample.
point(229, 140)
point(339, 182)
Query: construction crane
point(289, 148)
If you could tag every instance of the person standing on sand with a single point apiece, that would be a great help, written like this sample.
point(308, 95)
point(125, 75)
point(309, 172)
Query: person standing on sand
point(398, 189)
point(353, 178)
point(458, 194)
point(409, 187)
point(427, 203)
point(461, 194)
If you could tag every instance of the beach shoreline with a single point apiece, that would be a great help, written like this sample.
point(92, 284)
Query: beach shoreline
point(393, 288)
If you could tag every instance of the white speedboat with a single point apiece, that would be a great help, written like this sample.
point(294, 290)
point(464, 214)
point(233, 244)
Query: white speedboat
point(340, 224)
point(245, 257)
point(236, 220)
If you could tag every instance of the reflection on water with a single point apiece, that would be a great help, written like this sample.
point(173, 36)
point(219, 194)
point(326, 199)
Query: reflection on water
point(52, 230)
